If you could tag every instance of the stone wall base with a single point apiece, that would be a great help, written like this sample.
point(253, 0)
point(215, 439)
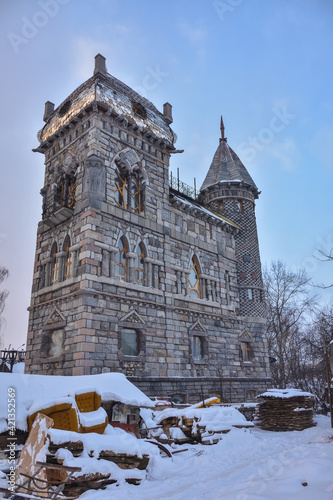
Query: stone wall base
point(192, 390)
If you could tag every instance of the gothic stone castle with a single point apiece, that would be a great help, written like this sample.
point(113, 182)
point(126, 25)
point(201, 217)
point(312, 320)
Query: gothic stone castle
point(134, 274)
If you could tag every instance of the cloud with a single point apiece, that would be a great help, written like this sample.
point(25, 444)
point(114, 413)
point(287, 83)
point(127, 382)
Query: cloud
point(196, 35)
point(193, 34)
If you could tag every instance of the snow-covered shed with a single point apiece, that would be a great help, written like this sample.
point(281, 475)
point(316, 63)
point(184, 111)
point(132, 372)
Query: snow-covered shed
point(30, 392)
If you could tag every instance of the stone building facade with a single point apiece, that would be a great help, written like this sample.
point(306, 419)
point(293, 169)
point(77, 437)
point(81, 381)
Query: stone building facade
point(133, 272)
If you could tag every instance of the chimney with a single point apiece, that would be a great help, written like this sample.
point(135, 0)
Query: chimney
point(100, 66)
point(167, 112)
point(49, 108)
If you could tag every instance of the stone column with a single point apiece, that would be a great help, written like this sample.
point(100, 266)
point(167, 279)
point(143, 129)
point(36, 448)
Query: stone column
point(130, 266)
point(155, 276)
point(105, 263)
point(203, 292)
point(61, 263)
point(209, 290)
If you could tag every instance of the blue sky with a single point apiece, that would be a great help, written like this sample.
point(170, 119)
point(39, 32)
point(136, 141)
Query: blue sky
point(265, 65)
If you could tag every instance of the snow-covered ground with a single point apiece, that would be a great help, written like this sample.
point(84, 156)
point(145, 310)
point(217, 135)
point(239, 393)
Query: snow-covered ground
point(246, 465)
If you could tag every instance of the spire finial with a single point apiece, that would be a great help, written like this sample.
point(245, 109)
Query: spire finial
point(222, 129)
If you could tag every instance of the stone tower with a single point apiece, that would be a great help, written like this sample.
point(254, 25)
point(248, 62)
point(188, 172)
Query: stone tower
point(133, 272)
point(228, 189)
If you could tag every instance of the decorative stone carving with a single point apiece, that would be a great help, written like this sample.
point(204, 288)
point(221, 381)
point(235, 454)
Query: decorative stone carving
point(132, 317)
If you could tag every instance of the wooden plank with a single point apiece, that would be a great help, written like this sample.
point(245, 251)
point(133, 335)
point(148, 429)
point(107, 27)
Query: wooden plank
point(33, 448)
point(66, 468)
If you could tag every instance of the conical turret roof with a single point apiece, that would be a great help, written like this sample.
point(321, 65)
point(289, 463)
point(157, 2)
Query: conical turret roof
point(226, 166)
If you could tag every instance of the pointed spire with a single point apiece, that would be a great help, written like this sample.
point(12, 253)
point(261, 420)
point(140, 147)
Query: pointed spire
point(222, 129)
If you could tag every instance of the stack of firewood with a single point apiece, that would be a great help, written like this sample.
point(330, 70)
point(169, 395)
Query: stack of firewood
point(80, 483)
point(285, 410)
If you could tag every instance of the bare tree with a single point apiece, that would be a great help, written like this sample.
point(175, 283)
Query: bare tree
point(4, 273)
point(288, 301)
point(318, 336)
point(325, 257)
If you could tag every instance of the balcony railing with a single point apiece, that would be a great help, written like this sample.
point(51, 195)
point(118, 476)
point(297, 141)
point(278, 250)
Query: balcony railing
point(177, 185)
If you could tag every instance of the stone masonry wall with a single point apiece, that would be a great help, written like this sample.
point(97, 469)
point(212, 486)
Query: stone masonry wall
point(86, 312)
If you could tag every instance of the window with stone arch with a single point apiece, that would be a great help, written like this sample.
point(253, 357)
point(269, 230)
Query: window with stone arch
point(67, 269)
point(139, 264)
point(194, 279)
point(54, 264)
point(121, 263)
point(128, 189)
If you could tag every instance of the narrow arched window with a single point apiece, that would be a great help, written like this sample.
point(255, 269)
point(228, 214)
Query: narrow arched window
point(54, 266)
point(128, 190)
point(245, 351)
point(67, 271)
point(139, 264)
point(121, 260)
point(121, 191)
point(193, 279)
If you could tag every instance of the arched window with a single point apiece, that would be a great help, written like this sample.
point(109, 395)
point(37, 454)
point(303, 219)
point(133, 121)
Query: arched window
point(139, 264)
point(121, 260)
point(245, 351)
point(67, 269)
point(197, 347)
point(121, 192)
point(193, 279)
point(54, 266)
point(135, 193)
point(128, 190)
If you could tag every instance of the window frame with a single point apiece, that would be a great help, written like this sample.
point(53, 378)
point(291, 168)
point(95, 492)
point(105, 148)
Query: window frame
point(48, 331)
point(137, 261)
point(118, 262)
point(140, 330)
point(129, 188)
point(194, 347)
point(67, 264)
point(204, 347)
point(246, 347)
point(137, 342)
point(240, 205)
point(194, 266)
point(54, 264)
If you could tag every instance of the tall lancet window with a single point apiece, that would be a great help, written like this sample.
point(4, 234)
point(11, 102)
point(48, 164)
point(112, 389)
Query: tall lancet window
point(121, 192)
point(139, 264)
point(128, 190)
point(193, 279)
point(67, 259)
point(121, 260)
point(54, 265)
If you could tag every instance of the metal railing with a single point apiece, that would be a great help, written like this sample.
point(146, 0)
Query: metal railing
point(177, 185)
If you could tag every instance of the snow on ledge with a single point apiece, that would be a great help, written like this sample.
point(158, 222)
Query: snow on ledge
point(284, 393)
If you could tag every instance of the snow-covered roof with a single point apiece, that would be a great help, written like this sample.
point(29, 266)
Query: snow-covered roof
point(195, 208)
point(284, 393)
point(35, 390)
point(114, 95)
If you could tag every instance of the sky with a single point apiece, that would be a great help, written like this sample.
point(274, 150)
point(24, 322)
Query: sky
point(264, 65)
